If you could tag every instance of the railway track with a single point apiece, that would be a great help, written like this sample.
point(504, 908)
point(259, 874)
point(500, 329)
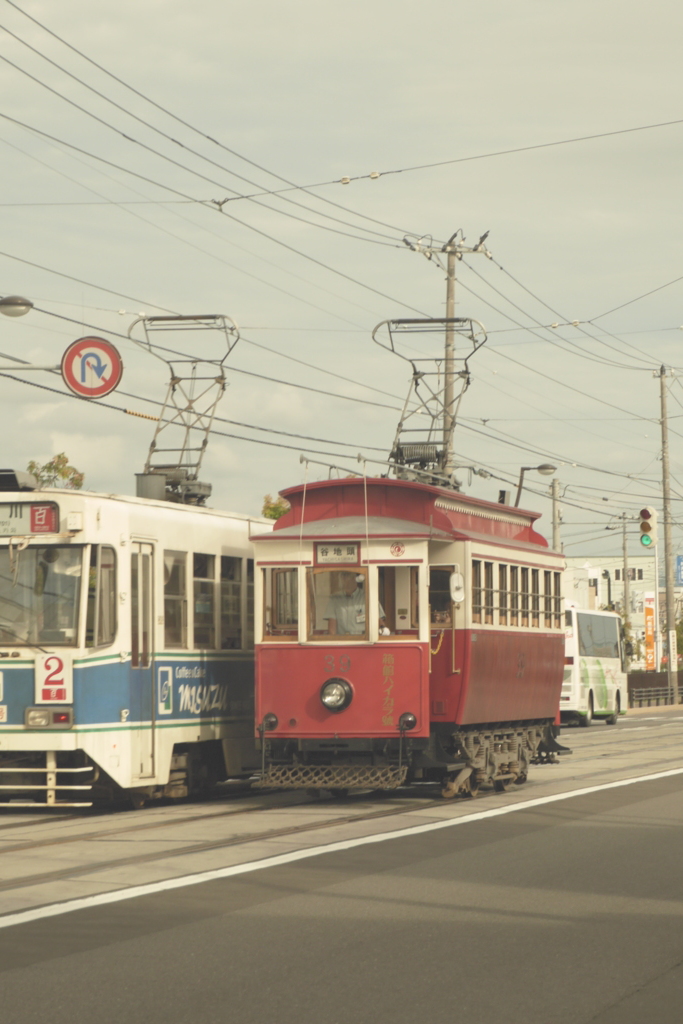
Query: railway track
point(48, 858)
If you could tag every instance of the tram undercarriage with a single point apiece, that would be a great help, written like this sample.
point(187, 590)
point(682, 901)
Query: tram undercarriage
point(69, 778)
point(463, 759)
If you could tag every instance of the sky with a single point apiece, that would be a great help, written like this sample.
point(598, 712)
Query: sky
point(172, 158)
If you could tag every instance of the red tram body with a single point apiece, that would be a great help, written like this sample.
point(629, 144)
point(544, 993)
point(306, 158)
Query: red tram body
point(404, 631)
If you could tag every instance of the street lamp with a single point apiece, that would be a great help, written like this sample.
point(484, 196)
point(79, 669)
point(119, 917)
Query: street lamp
point(545, 469)
point(15, 305)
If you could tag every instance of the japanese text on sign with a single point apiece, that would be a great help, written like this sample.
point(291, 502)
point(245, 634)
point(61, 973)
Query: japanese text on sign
point(344, 553)
point(22, 519)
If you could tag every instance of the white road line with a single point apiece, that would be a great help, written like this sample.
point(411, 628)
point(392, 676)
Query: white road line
point(85, 902)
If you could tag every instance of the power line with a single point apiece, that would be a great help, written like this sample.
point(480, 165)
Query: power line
point(244, 224)
point(209, 138)
point(637, 299)
point(578, 324)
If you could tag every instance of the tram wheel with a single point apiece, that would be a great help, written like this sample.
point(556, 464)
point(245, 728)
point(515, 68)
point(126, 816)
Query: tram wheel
point(472, 788)
point(502, 785)
point(137, 801)
point(521, 779)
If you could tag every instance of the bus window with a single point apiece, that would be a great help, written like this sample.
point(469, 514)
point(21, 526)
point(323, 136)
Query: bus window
point(598, 636)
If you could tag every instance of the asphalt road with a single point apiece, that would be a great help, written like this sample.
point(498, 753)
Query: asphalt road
point(567, 912)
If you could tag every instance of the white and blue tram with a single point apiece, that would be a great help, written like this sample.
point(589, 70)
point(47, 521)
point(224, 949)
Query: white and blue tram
point(126, 646)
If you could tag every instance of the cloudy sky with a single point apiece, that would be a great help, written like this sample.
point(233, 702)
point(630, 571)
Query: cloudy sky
point(554, 126)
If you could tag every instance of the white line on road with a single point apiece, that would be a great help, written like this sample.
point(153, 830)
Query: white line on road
point(85, 902)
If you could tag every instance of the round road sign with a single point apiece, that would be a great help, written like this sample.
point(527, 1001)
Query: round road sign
point(91, 367)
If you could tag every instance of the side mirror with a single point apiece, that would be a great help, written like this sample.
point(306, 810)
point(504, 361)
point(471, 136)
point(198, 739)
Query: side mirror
point(457, 587)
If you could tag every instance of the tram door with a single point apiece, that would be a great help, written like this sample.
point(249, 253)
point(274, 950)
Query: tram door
point(142, 659)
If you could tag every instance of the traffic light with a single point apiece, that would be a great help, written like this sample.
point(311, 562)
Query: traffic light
point(648, 527)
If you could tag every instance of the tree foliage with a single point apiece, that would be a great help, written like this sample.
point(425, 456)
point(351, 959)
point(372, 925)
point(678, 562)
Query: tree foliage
point(273, 509)
point(57, 473)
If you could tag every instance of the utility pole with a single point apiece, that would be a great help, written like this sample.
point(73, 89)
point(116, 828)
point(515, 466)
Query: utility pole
point(449, 366)
point(672, 660)
point(555, 491)
point(454, 249)
point(627, 583)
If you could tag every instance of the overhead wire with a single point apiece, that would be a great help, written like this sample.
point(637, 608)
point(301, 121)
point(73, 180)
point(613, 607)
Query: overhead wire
point(229, 367)
point(193, 128)
point(577, 325)
point(244, 224)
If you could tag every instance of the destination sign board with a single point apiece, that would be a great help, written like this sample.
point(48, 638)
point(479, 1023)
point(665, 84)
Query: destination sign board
point(23, 519)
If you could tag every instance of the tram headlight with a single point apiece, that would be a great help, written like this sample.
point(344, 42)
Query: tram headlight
point(37, 718)
point(270, 722)
point(407, 721)
point(336, 694)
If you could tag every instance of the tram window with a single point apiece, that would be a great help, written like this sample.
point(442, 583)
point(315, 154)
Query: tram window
point(175, 598)
point(535, 598)
point(476, 591)
point(39, 595)
point(250, 604)
point(398, 610)
point(547, 598)
point(488, 592)
point(204, 600)
point(100, 626)
point(281, 604)
point(514, 595)
point(337, 603)
point(231, 602)
point(557, 599)
point(525, 596)
point(440, 604)
point(503, 595)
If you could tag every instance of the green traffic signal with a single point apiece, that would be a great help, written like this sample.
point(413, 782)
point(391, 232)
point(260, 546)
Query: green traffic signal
point(648, 526)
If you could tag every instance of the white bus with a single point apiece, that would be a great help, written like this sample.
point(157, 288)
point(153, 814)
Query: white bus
point(594, 683)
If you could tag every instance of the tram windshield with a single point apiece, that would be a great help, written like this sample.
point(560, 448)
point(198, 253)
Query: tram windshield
point(39, 594)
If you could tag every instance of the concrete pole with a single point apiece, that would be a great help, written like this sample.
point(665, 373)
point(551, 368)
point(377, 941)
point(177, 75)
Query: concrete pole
point(555, 491)
point(449, 366)
point(671, 664)
point(627, 584)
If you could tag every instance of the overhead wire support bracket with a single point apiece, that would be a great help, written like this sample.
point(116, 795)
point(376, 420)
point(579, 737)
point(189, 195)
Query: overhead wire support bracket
point(195, 387)
point(416, 449)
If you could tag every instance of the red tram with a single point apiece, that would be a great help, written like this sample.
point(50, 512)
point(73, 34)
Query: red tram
point(404, 631)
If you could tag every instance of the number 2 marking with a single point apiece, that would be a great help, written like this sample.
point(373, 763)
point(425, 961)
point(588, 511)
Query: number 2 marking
point(55, 677)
